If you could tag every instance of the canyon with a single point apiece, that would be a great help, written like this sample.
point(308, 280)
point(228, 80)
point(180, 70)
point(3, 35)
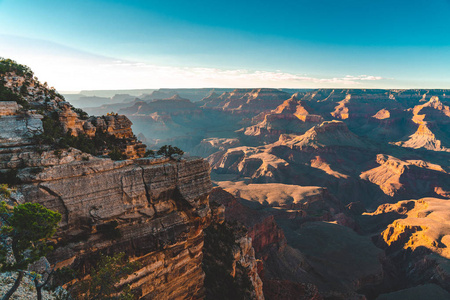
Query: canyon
point(293, 194)
point(311, 173)
point(153, 209)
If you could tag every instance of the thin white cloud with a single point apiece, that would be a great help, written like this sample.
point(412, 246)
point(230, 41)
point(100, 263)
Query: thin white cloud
point(241, 76)
point(69, 69)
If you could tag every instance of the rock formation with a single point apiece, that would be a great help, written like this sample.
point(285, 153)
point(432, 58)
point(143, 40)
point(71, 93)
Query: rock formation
point(398, 178)
point(246, 101)
point(158, 207)
point(293, 116)
point(72, 121)
point(415, 234)
point(299, 265)
point(329, 133)
point(152, 209)
point(429, 117)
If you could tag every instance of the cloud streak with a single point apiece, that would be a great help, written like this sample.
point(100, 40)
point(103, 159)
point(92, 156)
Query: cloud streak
point(240, 76)
point(69, 69)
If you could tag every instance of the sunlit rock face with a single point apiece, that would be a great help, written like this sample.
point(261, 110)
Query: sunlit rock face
point(416, 237)
point(432, 121)
point(160, 208)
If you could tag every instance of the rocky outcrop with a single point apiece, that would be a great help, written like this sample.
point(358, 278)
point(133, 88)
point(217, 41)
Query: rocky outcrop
point(329, 133)
point(424, 138)
point(424, 224)
point(237, 259)
point(293, 116)
point(244, 255)
point(212, 145)
point(254, 162)
point(63, 115)
point(415, 234)
point(18, 127)
point(261, 227)
point(398, 178)
point(246, 101)
point(432, 121)
point(158, 208)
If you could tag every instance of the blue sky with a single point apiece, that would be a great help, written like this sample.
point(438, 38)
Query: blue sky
point(77, 45)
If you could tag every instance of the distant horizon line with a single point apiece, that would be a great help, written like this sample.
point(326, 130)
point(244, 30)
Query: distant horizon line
point(74, 92)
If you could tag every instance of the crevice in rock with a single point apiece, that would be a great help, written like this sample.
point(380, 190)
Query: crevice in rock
point(65, 218)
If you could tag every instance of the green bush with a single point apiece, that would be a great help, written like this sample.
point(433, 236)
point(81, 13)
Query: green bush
point(8, 95)
point(169, 150)
point(29, 227)
point(81, 113)
point(116, 154)
point(8, 65)
point(149, 153)
point(104, 279)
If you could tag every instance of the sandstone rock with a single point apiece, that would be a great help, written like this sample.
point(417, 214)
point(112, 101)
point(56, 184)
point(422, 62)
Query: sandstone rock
point(161, 210)
point(332, 133)
point(428, 134)
point(403, 178)
point(247, 101)
point(8, 108)
point(415, 234)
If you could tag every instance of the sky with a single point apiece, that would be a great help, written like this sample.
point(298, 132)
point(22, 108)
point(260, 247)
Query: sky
point(95, 45)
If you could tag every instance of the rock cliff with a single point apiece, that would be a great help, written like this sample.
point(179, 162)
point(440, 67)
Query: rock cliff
point(415, 235)
point(159, 210)
point(246, 101)
point(152, 209)
point(230, 264)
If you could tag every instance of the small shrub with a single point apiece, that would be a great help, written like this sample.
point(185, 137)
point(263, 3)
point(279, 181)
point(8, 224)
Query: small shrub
point(81, 113)
point(149, 153)
point(105, 278)
point(169, 150)
point(29, 226)
point(58, 153)
point(5, 191)
point(116, 154)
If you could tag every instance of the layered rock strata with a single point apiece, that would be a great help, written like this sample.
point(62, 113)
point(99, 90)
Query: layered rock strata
point(158, 208)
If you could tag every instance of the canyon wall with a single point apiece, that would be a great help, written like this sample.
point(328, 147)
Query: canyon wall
point(157, 209)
